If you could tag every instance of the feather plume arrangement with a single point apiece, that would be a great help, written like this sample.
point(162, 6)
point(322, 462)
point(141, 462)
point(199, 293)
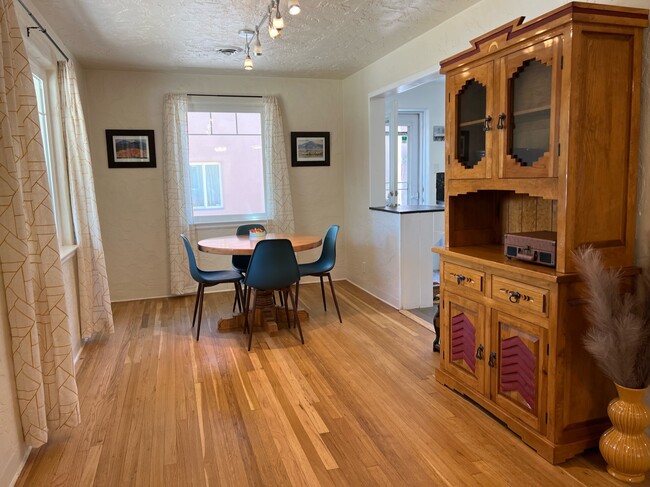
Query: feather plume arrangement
point(619, 336)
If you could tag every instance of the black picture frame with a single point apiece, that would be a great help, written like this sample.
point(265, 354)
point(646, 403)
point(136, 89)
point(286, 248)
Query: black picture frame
point(310, 149)
point(129, 149)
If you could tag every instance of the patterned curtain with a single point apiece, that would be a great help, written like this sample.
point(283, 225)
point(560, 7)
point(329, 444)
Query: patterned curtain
point(29, 252)
point(278, 191)
point(95, 311)
point(177, 191)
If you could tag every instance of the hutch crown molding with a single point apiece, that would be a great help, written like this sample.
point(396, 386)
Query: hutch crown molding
point(542, 122)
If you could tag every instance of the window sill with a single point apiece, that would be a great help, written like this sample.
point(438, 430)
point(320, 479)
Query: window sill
point(67, 252)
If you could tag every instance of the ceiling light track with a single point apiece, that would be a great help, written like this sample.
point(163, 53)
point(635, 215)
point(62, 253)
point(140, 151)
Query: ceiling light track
point(273, 21)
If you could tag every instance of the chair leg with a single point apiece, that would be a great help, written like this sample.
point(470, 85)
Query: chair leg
point(236, 301)
point(283, 298)
point(198, 328)
point(250, 336)
point(196, 304)
point(295, 312)
point(336, 303)
point(238, 298)
point(247, 304)
point(322, 291)
point(297, 291)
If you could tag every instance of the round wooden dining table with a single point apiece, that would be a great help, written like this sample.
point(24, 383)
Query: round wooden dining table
point(268, 314)
point(243, 245)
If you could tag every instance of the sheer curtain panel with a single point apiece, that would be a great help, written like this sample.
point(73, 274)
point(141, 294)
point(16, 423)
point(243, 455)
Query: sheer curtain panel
point(95, 314)
point(279, 206)
point(29, 253)
point(177, 191)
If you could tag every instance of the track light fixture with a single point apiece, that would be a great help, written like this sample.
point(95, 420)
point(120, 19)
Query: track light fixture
point(275, 25)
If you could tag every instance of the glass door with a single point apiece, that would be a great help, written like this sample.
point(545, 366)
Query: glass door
point(470, 123)
point(527, 124)
point(408, 158)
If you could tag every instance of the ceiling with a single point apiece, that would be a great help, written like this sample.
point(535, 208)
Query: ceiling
point(329, 39)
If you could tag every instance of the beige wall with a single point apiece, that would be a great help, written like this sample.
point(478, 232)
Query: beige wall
point(131, 201)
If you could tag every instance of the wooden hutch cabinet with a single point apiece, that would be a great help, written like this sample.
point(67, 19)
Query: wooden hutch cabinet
point(542, 122)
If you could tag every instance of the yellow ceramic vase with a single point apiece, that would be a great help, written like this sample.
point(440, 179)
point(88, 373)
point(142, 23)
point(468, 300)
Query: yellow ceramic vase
point(625, 446)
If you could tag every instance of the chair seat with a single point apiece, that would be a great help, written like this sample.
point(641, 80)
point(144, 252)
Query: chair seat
point(312, 268)
point(211, 277)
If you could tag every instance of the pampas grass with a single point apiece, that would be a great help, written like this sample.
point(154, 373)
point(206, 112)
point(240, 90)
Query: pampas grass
point(619, 337)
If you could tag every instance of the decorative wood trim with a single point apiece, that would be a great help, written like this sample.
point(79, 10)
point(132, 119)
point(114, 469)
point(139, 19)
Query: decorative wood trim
point(516, 28)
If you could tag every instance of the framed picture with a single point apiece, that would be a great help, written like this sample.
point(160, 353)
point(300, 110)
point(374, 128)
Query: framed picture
point(310, 149)
point(130, 148)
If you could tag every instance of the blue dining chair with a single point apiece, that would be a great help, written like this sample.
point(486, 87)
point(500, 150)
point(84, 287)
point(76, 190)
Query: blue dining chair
point(240, 262)
point(324, 265)
point(207, 279)
point(273, 267)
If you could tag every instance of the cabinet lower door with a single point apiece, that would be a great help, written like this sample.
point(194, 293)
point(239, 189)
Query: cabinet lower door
point(518, 368)
point(463, 340)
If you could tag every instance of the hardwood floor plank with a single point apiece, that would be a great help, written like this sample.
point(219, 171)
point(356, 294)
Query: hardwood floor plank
point(356, 405)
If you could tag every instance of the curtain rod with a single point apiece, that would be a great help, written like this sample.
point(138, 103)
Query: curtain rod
point(41, 29)
point(224, 96)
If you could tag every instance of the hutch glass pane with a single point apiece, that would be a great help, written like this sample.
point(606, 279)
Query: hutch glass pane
point(470, 141)
point(530, 127)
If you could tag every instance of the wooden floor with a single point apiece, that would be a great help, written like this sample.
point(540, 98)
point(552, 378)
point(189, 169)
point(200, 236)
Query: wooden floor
point(356, 405)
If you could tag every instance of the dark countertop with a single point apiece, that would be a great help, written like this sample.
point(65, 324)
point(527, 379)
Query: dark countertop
point(403, 209)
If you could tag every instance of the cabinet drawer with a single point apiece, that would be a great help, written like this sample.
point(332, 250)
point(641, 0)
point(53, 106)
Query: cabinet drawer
point(520, 296)
point(460, 276)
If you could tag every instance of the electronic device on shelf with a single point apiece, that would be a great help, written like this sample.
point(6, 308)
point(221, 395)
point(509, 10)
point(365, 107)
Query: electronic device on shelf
point(534, 247)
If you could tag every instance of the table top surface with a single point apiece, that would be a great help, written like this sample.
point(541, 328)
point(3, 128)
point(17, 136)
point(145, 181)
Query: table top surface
point(243, 245)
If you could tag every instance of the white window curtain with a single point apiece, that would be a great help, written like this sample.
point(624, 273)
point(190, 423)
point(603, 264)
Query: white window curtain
point(279, 206)
point(29, 252)
point(95, 312)
point(177, 191)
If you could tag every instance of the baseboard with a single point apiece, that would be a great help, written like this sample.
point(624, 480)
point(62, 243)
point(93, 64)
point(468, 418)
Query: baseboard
point(371, 293)
point(420, 321)
point(12, 482)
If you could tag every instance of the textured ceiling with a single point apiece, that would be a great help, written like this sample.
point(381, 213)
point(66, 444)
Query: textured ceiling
point(329, 39)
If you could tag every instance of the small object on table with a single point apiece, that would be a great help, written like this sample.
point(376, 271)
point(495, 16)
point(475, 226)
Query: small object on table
point(256, 233)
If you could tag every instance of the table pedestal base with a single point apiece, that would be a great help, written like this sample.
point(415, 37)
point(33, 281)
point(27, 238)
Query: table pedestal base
point(268, 315)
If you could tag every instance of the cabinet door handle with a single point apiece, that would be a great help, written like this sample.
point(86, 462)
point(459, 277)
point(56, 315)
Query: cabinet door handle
point(501, 122)
point(486, 124)
point(493, 360)
point(479, 352)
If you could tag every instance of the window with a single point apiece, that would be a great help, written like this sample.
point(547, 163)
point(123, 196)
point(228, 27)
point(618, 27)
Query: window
point(206, 186)
point(225, 160)
point(41, 106)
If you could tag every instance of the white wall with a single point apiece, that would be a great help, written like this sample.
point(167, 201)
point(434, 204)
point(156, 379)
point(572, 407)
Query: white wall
point(131, 201)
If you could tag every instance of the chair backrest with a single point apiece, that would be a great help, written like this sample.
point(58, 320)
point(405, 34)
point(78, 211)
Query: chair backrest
point(273, 265)
point(194, 270)
point(327, 257)
point(240, 262)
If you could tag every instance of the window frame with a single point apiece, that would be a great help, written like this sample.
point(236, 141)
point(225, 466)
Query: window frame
point(213, 104)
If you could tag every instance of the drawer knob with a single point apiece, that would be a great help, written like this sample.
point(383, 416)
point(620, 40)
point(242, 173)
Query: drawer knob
point(479, 352)
point(516, 296)
point(513, 296)
point(459, 279)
